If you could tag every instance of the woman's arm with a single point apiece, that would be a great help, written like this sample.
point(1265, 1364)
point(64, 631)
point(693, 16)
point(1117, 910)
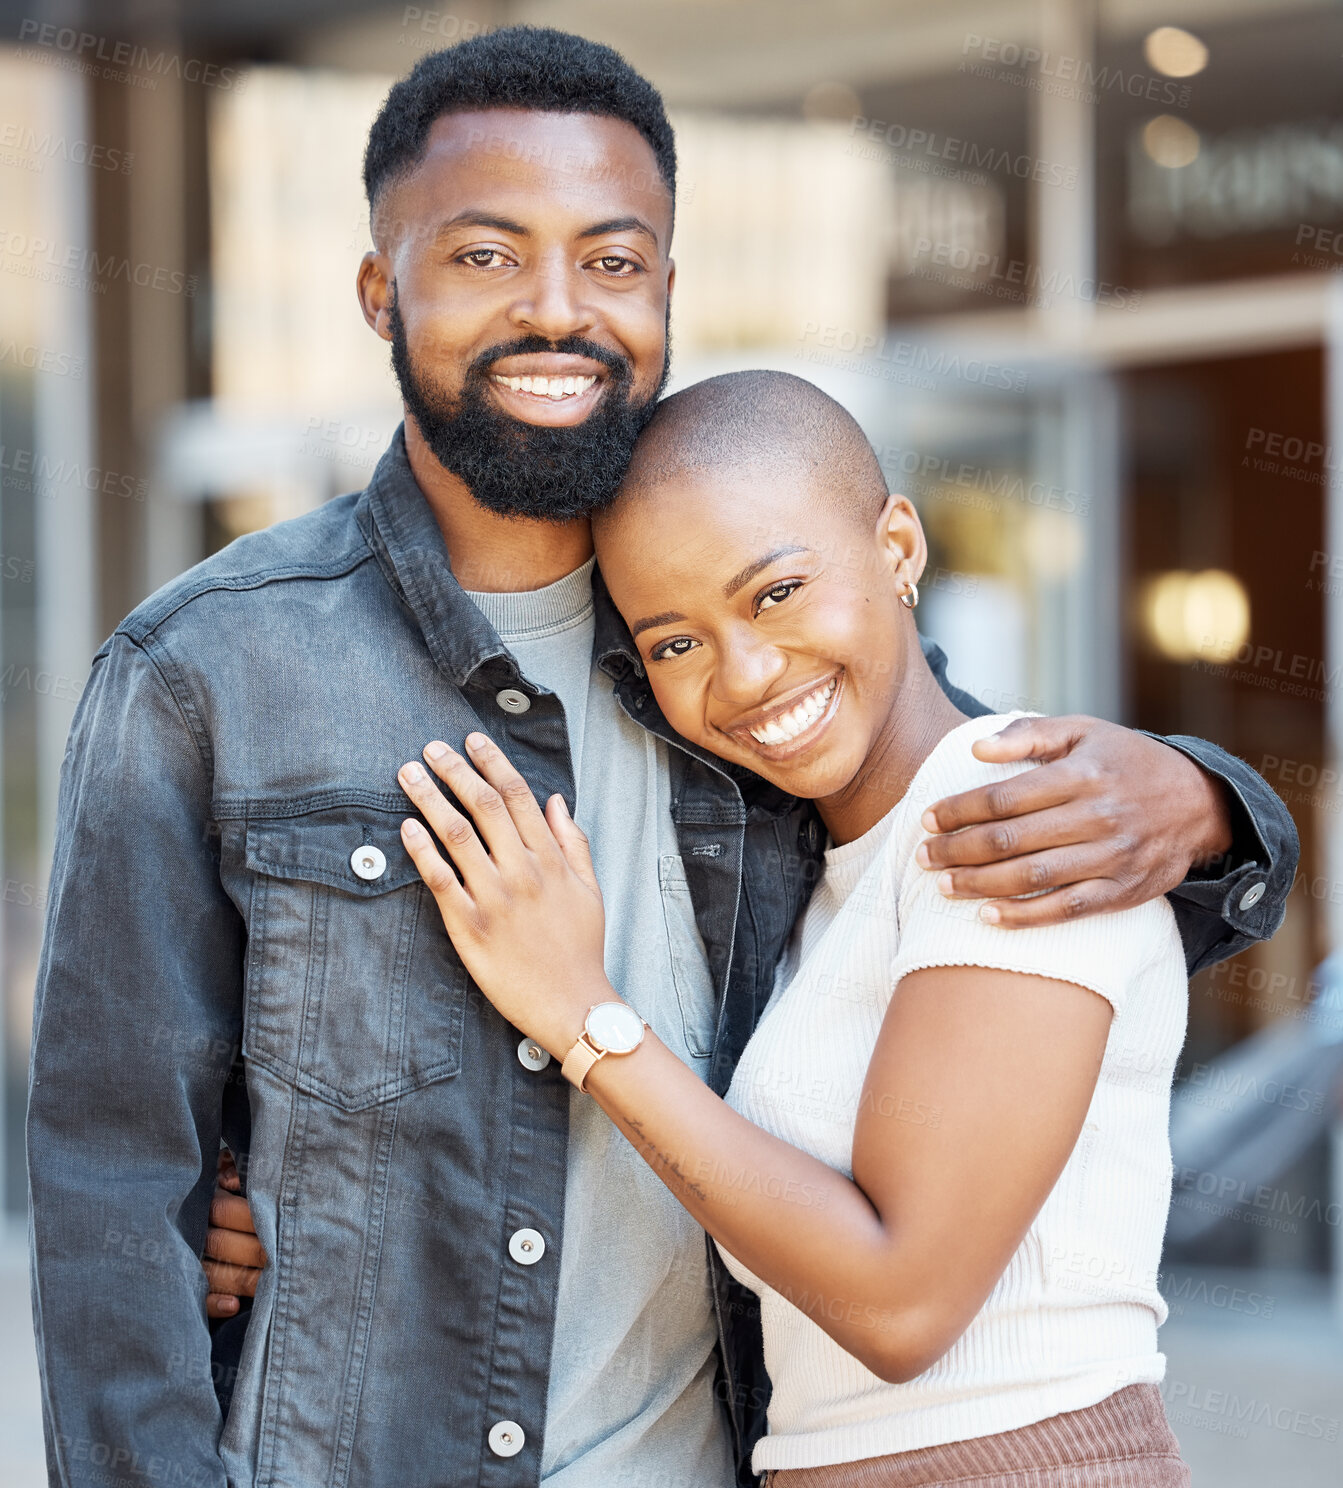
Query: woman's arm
point(974, 1098)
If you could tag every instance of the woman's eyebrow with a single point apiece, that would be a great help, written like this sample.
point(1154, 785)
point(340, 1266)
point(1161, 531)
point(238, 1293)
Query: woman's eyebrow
point(667, 617)
point(751, 569)
point(670, 617)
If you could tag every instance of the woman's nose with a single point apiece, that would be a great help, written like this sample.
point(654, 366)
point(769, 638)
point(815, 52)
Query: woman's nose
point(745, 673)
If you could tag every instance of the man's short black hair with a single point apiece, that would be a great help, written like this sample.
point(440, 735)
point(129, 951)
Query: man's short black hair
point(518, 67)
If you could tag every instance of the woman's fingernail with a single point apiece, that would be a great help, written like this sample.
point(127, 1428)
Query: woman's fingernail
point(929, 820)
point(476, 741)
point(945, 885)
point(922, 856)
point(436, 750)
point(412, 771)
point(989, 913)
point(412, 829)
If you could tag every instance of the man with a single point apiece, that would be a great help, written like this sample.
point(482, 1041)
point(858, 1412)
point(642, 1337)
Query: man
point(471, 1278)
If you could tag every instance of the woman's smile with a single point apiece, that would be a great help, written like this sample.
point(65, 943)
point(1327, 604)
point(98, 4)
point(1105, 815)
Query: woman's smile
point(785, 728)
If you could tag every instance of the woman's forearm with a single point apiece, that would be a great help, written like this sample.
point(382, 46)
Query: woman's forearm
point(975, 1093)
point(805, 1229)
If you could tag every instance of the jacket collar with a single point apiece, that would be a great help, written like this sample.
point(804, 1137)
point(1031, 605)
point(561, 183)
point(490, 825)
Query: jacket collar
point(400, 527)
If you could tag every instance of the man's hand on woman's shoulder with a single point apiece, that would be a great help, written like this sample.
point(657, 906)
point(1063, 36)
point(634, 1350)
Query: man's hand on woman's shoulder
point(1110, 820)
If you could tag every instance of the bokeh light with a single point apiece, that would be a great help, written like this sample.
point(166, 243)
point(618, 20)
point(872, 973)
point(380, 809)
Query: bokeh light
point(1196, 615)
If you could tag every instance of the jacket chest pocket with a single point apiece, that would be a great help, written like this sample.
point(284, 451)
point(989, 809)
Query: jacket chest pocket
point(354, 993)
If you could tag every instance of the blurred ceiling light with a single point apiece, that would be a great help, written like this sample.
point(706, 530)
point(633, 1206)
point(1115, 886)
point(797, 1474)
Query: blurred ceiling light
point(1170, 141)
point(826, 103)
point(1174, 53)
point(1196, 615)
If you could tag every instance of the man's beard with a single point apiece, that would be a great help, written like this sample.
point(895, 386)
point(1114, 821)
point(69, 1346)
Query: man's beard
point(518, 469)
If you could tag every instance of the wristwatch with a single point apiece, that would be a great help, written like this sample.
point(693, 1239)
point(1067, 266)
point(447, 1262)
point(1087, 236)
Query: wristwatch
point(609, 1028)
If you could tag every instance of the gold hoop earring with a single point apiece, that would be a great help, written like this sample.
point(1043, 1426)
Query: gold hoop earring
point(911, 596)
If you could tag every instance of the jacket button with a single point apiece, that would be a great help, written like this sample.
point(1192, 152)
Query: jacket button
point(1252, 896)
point(368, 862)
point(507, 1439)
point(810, 835)
point(532, 1056)
point(512, 701)
point(527, 1246)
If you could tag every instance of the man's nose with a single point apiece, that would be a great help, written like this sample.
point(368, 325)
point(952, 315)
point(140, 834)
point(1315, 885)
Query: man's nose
point(553, 302)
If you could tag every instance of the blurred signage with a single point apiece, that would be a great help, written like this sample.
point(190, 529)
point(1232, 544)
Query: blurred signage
point(1287, 176)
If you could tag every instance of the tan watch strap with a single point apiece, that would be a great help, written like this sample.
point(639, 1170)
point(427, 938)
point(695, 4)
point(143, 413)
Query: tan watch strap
point(579, 1060)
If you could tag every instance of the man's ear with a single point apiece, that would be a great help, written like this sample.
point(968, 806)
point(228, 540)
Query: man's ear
point(900, 537)
point(376, 290)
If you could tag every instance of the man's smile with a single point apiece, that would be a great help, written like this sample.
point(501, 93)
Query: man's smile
point(548, 388)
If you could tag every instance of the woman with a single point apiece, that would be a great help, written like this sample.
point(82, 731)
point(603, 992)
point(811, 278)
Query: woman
point(943, 1160)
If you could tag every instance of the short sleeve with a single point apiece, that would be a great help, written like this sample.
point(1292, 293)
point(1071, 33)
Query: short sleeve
point(1105, 953)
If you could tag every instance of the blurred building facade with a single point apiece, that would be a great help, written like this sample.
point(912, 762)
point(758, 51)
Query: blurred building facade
point(1074, 267)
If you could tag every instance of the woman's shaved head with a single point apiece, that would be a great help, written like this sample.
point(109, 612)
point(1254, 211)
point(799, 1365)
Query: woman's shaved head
point(764, 423)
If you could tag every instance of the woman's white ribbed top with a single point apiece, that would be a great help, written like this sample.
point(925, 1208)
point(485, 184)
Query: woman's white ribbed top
point(1074, 1317)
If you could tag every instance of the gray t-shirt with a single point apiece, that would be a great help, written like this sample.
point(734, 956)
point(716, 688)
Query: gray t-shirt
point(632, 1369)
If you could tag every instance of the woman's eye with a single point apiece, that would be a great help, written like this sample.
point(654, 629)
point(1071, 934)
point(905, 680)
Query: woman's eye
point(677, 646)
point(776, 595)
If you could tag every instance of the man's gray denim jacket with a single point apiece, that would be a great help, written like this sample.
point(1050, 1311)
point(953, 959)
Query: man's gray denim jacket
point(235, 749)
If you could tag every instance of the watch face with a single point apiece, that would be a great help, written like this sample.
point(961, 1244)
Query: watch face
point(614, 1027)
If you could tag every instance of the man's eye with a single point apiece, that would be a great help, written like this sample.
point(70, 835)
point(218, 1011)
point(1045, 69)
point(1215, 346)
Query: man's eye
point(677, 646)
point(479, 258)
point(776, 594)
point(614, 263)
